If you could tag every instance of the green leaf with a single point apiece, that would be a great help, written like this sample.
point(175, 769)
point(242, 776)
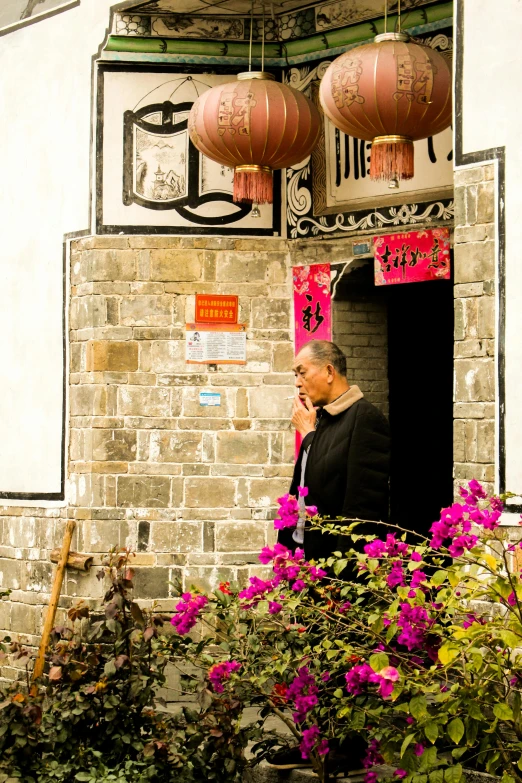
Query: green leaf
point(431, 730)
point(503, 712)
point(418, 707)
point(447, 653)
point(405, 744)
point(339, 566)
point(379, 661)
point(453, 774)
point(507, 778)
point(474, 710)
point(82, 776)
point(437, 776)
point(510, 639)
point(438, 578)
point(339, 693)
point(456, 730)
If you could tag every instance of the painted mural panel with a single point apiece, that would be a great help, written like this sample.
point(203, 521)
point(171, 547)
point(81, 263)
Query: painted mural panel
point(151, 178)
point(15, 11)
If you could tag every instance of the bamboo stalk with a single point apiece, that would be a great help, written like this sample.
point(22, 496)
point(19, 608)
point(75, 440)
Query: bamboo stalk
point(53, 603)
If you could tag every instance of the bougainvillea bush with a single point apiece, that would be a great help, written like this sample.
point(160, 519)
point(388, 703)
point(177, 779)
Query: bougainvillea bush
point(409, 643)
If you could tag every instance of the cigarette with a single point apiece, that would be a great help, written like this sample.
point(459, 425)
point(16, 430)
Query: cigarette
point(292, 396)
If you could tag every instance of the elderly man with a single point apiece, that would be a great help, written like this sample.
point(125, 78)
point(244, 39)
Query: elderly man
point(345, 453)
point(344, 462)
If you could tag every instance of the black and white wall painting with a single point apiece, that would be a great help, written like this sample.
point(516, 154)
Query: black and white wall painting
point(150, 177)
point(14, 13)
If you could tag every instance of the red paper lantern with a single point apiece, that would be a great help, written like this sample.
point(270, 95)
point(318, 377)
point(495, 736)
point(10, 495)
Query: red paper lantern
point(254, 125)
point(391, 92)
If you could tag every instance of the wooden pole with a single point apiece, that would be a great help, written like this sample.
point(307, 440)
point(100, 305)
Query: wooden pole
point(75, 560)
point(53, 603)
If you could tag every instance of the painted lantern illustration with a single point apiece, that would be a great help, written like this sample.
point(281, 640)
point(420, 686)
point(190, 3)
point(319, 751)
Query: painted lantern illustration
point(391, 92)
point(255, 125)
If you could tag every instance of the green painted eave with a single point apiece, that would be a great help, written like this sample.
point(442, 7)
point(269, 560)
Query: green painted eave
point(321, 42)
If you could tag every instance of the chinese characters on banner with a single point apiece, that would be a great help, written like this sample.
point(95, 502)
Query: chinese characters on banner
point(312, 309)
point(412, 257)
point(312, 304)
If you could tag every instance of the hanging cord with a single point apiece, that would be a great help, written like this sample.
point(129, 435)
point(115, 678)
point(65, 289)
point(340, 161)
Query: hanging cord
point(385, 16)
point(263, 42)
point(251, 34)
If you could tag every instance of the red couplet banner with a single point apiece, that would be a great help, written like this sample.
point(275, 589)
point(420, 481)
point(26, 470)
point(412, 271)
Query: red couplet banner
point(312, 308)
point(412, 257)
point(312, 304)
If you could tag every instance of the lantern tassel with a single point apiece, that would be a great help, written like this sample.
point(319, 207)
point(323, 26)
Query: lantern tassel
point(253, 184)
point(391, 158)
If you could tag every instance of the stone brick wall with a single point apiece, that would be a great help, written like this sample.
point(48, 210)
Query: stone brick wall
point(191, 489)
point(360, 329)
point(475, 323)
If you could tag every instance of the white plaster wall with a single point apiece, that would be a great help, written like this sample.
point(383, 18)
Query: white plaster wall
point(492, 116)
point(45, 106)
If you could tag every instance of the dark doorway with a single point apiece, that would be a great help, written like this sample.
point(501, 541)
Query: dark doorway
point(420, 380)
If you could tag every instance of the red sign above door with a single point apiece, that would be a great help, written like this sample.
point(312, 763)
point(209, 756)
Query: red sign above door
point(412, 257)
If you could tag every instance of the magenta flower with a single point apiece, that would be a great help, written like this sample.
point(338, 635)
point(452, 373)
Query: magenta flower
point(414, 623)
point(512, 599)
point(310, 741)
point(361, 674)
point(220, 672)
point(274, 607)
point(325, 677)
point(288, 512)
point(256, 591)
point(298, 585)
point(311, 511)
point(416, 557)
point(316, 573)
point(396, 575)
point(187, 612)
point(400, 773)
point(418, 749)
point(303, 692)
point(302, 491)
point(472, 618)
point(344, 607)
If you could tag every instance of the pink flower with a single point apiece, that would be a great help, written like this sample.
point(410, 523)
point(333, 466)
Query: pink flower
point(396, 575)
point(187, 612)
point(311, 511)
point(325, 677)
point(310, 741)
point(316, 573)
point(303, 691)
point(512, 599)
point(256, 591)
point(274, 607)
point(303, 491)
point(345, 606)
point(400, 773)
point(298, 585)
point(220, 672)
point(288, 512)
point(410, 720)
point(460, 544)
point(416, 557)
point(418, 749)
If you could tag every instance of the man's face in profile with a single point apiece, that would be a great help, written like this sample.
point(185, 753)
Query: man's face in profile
point(311, 380)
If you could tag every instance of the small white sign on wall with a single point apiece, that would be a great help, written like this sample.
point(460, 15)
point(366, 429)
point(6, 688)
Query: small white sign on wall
point(215, 344)
point(209, 399)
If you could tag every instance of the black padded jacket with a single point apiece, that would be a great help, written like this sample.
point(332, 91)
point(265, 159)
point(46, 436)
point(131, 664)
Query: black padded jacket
point(347, 471)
